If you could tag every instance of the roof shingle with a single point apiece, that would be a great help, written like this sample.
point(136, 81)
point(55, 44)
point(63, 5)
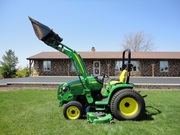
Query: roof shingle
point(108, 55)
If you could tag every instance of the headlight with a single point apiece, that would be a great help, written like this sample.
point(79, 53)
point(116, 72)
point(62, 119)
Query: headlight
point(65, 89)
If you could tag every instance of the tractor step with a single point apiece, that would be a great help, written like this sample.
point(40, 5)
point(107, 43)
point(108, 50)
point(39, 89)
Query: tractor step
point(102, 102)
point(101, 105)
point(100, 108)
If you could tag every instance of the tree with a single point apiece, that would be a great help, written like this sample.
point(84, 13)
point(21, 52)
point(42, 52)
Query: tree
point(138, 42)
point(8, 65)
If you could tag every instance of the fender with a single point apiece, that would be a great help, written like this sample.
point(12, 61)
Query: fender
point(116, 87)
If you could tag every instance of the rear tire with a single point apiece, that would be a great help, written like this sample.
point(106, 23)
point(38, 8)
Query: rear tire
point(127, 104)
point(73, 110)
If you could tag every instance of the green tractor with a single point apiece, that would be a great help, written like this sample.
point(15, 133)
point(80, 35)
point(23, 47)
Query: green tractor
point(86, 96)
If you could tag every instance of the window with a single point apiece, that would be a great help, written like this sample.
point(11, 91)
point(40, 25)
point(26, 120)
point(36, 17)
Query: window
point(164, 66)
point(72, 66)
point(135, 67)
point(118, 65)
point(46, 65)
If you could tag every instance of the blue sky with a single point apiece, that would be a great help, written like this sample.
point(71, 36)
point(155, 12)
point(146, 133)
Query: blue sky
point(88, 23)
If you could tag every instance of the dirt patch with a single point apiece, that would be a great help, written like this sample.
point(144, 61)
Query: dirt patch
point(26, 88)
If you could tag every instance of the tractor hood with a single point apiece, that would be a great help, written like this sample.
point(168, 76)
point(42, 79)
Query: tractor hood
point(76, 86)
point(71, 90)
point(93, 83)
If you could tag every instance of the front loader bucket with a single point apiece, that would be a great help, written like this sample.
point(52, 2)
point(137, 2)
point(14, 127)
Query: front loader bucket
point(45, 34)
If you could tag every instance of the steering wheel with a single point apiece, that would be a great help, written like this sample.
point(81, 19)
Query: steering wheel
point(104, 76)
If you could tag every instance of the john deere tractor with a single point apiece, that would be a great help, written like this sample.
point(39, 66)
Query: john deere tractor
point(85, 96)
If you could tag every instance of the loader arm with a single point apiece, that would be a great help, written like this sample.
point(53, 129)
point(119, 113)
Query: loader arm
point(75, 57)
point(53, 40)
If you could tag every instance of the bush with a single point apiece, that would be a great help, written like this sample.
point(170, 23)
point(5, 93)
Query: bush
point(22, 72)
point(0, 74)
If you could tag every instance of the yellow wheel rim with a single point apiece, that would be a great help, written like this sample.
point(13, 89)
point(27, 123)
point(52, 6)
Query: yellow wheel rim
point(128, 106)
point(73, 112)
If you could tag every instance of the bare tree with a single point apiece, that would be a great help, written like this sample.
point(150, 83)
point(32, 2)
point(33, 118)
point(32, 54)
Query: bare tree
point(138, 42)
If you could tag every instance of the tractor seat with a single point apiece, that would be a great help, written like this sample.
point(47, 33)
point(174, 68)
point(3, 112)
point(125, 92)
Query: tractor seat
point(122, 78)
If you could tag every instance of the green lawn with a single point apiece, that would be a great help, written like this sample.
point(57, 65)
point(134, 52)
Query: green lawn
point(33, 112)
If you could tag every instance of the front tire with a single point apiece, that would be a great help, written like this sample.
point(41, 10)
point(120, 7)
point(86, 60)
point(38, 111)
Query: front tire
point(73, 110)
point(127, 104)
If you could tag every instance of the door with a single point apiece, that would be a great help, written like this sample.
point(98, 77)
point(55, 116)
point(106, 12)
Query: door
point(96, 68)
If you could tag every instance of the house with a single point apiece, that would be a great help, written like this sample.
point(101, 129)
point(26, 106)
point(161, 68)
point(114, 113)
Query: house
point(144, 63)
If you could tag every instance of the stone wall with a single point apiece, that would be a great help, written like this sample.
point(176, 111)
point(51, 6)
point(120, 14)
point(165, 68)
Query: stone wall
point(146, 68)
point(63, 68)
point(107, 66)
point(58, 68)
point(174, 68)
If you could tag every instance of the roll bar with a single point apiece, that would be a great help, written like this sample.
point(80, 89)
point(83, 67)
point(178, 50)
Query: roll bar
point(128, 65)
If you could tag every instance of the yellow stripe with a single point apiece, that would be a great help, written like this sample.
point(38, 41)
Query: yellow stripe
point(92, 82)
point(76, 84)
point(79, 62)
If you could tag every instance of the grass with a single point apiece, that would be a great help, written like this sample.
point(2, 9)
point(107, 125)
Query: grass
point(36, 112)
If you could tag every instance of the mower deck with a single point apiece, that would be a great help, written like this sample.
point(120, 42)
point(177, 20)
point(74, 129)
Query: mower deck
point(99, 118)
